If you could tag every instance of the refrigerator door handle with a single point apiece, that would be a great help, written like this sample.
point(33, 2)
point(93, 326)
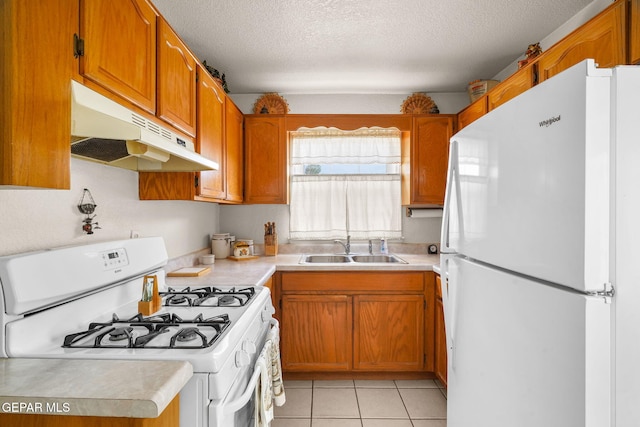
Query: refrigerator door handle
point(453, 179)
point(449, 299)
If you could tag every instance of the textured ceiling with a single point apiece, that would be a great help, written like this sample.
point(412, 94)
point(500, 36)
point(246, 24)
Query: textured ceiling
point(362, 46)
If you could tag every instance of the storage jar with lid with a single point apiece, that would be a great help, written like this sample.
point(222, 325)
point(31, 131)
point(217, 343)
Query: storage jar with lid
point(248, 242)
point(221, 245)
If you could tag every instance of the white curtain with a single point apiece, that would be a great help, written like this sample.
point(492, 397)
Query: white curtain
point(365, 206)
point(331, 146)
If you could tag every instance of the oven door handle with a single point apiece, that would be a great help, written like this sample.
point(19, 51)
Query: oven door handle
point(248, 393)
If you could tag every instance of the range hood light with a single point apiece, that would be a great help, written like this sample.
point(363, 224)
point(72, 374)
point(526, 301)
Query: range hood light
point(104, 131)
point(144, 151)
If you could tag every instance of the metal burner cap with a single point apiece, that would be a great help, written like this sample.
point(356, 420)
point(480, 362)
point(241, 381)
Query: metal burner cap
point(120, 334)
point(177, 299)
point(187, 334)
point(227, 300)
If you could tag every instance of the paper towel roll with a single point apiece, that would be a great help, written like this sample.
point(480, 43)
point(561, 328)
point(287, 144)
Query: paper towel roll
point(424, 213)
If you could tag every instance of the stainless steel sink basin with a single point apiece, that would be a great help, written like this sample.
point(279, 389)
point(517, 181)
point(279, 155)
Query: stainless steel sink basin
point(377, 258)
point(342, 259)
point(326, 259)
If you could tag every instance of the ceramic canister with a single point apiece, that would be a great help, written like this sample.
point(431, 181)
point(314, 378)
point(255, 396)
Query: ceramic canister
point(221, 245)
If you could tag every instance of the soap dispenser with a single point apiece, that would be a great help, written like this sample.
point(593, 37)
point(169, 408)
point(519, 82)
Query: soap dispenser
point(384, 250)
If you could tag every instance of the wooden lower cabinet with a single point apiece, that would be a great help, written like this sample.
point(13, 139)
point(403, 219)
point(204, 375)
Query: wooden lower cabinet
point(440, 337)
point(318, 332)
point(356, 322)
point(387, 332)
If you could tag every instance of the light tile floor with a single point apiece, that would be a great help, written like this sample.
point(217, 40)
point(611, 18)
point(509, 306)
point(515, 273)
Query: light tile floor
point(363, 403)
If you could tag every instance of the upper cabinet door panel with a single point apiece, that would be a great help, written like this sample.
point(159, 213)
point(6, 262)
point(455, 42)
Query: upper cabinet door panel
point(120, 48)
point(265, 160)
point(235, 152)
point(473, 112)
point(516, 84)
point(603, 38)
point(211, 100)
point(176, 80)
point(429, 158)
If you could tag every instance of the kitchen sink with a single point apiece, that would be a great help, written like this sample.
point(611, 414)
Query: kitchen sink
point(325, 259)
point(342, 259)
point(377, 258)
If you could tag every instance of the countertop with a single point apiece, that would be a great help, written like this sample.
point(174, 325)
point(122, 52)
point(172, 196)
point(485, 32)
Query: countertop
point(104, 388)
point(255, 272)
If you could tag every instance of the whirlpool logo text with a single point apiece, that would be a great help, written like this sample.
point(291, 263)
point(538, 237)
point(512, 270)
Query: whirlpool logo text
point(550, 121)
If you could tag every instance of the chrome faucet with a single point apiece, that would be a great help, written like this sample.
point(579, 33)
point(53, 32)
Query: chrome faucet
point(347, 246)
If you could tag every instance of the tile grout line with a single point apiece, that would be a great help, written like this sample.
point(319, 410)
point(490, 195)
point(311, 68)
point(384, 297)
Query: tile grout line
point(403, 404)
point(355, 390)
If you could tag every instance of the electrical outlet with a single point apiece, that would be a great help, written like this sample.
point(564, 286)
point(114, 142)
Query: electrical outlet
point(134, 234)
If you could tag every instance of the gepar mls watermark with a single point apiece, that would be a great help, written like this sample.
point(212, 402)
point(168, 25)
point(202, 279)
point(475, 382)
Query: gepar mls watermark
point(19, 407)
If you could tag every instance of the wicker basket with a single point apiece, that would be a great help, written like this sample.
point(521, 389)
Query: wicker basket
point(478, 88)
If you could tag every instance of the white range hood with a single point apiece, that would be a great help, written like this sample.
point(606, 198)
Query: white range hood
point(106, 132)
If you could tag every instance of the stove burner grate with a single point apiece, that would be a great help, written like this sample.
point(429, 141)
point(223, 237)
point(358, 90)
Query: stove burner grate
point(207, 297)
point(120, 333)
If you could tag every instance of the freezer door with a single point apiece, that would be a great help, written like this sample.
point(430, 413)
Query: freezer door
point(528, 186)
point(523, 353)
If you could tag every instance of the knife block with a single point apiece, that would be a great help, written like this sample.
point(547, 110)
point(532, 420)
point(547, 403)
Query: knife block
point(271, 244)
point(147, 308)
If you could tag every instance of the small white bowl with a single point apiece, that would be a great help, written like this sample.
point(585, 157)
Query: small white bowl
point(207, 259)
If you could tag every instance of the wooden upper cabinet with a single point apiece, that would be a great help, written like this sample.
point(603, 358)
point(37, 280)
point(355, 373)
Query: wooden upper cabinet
point(120, 48)
point(472, 112)
point(388, 332)
point(429, 156)
point(176, 80)
point(603, 38)
point(265, 160)
point(634, 32)
point(511, 87)
point(235, 152)
point(36, 65)
point(211, 101)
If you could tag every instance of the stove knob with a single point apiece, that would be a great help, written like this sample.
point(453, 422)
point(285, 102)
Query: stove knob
point(249, 347)
point(267, 313)
point(242, 359)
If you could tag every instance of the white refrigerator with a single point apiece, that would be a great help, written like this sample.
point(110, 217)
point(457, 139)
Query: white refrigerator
point(540, 257)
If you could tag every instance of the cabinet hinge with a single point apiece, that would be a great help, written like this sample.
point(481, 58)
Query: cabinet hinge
point(608, 292)
point(196, 180)
point(78, 46)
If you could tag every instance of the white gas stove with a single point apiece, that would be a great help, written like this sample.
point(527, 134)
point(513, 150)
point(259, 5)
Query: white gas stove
point(82, 302)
